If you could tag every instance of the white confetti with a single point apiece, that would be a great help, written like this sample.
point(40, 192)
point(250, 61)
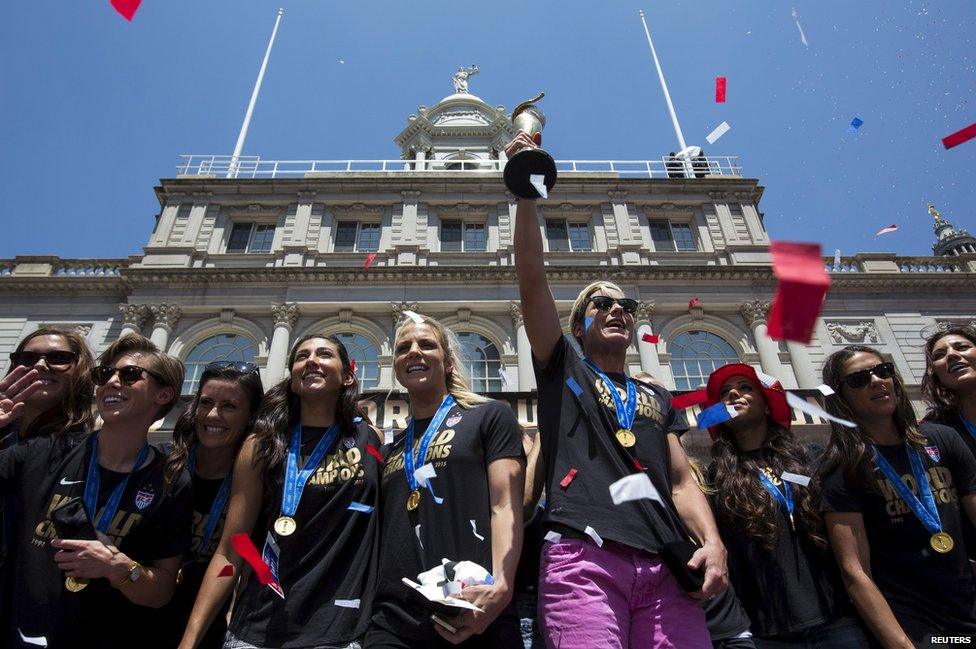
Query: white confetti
point(474, 528)
point(766, 379)
point(805, 406)
point(417, 318)
point(347, 603)
point(633, 487)
point(388, 435)
point(341, 62)
point(37, 641)
point(719, 131)
point(825, 390)
point(539, 182)
point(425, 473)
point(801, 480)
point(554, 537)
point(593, 535)
point(503, 376)
point(417, 532)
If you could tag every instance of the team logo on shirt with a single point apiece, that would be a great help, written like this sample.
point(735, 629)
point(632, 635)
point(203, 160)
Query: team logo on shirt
point(437, 453)
point(144, 499)
point(342, 466)
point(348, 442)
point(934, 453)
point(940, 480)
point(453, 420)
point(648, 406)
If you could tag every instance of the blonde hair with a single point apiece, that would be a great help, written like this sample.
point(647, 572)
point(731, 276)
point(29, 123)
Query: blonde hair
point(458, 383)
point(168, 371)
point(579, 306)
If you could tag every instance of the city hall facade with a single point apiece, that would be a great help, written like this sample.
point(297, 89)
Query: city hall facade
point(248, 255)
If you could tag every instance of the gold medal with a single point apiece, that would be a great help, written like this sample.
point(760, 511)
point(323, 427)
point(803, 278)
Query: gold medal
point(942, 542)
point(413, 500)
point(75, 584)
point(285, 526)
point(626, 438)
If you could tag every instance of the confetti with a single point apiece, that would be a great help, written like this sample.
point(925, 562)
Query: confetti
point(803, 405)
point(689, 399)
point(347, 603)
point(357, 420)
point(474, 528)
point(886, 230)
point(959, 137)
point(127, 8)
point(766, 379)
point(424, 474)
point(593, 535)
point(341, 62)
point(226, 571)
point(416, 317)
point(388, 435)
point(359, 507)
point(636, 486)
point(369, 260)
point(719, 131)
point(715, 415)
point(574, 386)
point(568, 478)
point(503, 376)
point(802, 480)
point(539, 182)
point(825, 389)
point(803, 37)
point(554, 537)
point(650, 338)
point(587, 323)
point(855, 125)
point(416, 531)
point(36, 640)
point(245, 547)
point(803, 284)
point(372, 451)
point(352, 367)
point(719, 91)
point(693, 302)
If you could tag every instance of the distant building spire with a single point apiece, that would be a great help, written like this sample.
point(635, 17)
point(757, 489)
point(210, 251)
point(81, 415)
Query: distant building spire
point(950, 242)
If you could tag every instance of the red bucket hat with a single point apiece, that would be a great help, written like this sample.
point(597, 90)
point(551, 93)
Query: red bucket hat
point(773, 393)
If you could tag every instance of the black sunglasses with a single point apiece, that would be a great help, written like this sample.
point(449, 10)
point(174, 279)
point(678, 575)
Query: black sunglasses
point(128, 375)
point(604, 303)
point(57, 359)
point(861, 378)
point(240, 367)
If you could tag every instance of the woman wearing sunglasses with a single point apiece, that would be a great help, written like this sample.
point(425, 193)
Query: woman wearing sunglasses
point(768, 514)
point(894, 495)
point(305, 488)
point(206, 440)
point(452, 489)
point(100, 532)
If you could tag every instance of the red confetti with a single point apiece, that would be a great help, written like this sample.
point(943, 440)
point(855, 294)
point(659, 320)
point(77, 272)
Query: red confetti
point(372, 451)
point(803, 284)
point(719, 90)
point(957, 138)
point(569, 478)
point(352, 365)
point(650, 338)
point(682, 401)
point(226, 571)
point(890, 228)
point(245, 547)
point(369, 260)
point(640, 467)
point(126, 7)
point(693, 302)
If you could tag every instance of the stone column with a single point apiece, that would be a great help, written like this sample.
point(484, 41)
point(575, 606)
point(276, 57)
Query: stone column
point(285, 315)
point(165, 318)
point(649, 360)
point(526, 375)
point(755, 313)
point(803, 369)
point(134, 317)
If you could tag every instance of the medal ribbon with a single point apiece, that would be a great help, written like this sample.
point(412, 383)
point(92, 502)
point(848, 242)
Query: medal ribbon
point(91, 487)
point(970, 426)
point(625, 412)
point(409, 463)
point(215, 509)
point(295, 480)
point(924, 509)
point(785, 500)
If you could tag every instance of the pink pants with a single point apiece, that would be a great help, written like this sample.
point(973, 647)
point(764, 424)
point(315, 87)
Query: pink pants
point(614, 597)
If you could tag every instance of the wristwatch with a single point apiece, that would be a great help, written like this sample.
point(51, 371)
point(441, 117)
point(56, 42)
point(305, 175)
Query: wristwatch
point(135, 571)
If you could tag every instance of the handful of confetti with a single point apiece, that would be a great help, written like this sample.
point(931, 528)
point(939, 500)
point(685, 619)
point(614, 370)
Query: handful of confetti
point(450, 578)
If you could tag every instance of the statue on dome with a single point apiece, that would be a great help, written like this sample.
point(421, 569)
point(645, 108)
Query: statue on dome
point(934, 212)
point(461, 78)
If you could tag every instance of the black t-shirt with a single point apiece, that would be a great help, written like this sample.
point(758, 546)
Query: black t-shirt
point(955, 422)
point(578, 433)
point(151, 523)
point(928, 592)
point(791, 588)
point(467, 442)
point(724, 616)
point(328, 557)
point(194, 566)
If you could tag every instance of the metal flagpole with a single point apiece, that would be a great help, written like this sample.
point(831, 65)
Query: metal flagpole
point(232, 171)
point(664, 86)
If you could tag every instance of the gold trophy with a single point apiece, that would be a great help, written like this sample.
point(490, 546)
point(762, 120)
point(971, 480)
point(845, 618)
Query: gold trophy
point(529, 162)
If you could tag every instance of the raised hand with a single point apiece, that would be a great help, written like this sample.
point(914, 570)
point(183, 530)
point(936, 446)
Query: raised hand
point(14, 390)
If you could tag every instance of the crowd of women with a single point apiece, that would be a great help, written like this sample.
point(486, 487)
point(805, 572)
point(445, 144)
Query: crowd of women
point(287, 519)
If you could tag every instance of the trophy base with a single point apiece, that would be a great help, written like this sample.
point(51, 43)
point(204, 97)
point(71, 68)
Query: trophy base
point(525, 163)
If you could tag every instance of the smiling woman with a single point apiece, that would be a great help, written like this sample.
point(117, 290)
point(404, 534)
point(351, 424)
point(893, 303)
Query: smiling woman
point(949, 383)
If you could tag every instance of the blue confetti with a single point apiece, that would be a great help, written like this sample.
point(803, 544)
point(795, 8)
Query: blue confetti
point(356, 420)
point(430, 488)
point(587, 321)
point(855, 124)
point(359, 507)
point(713, 415)
point(574, 386)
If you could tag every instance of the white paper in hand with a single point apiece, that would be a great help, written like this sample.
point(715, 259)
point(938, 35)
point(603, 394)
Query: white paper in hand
point(805, 406)
point(634, 487)
point(802, 480)
point(539, 182)
point(719, 131)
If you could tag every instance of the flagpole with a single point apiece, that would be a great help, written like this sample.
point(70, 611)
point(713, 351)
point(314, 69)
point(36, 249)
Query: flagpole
point(664, 86)
point(232, 170)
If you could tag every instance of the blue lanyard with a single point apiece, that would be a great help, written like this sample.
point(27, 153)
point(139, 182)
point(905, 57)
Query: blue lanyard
point(925, 508)
point(216, 509)
point(784, 500)
point(969, 426)
point(409, 464)
point(625, 413)
point(295, 480)
point(91, 487)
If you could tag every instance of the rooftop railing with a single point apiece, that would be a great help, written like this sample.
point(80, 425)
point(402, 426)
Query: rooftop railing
point(225, 166)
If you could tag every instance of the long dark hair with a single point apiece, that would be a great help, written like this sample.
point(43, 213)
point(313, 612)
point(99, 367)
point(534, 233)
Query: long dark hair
point(282, 409)
point(741, 497)
point(849, 447)
point(943, 402)
point(75, 410)
point(185, 430)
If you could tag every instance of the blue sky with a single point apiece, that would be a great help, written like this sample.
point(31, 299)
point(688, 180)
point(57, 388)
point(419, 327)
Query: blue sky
point(94, 110)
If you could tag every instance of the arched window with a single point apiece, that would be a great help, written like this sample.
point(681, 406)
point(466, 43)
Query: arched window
point(364, 353)
point(222, 347)
point(695, 355)
point(481, 359)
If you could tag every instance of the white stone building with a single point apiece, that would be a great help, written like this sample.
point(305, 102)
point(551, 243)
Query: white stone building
point(249, 254)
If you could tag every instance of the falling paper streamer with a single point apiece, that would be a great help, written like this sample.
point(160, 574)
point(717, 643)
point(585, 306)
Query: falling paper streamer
point(636, 486)
point(803, 37)
point(37, 640)
point(347, 603)
point(766, 379)
point(245, 547)
point(127, 8)
point(567, 478)
point(682, 401)
point(719, 131)
point(802, 285)
point(693, 302)
point(574, 386)
point(554, 537)
point(689, 152)
point(369, 260)
point(539, 182)
point(359, 507)
point(503, 376)
point(388, 435)
point(375, 453)
point(803, 405)
point(720, 90)
point(715, 415)
point(417, 318)
point(474, 528)
point(417, 532)
point(226, 571)
point(802, 480)
point(825, 389)
point(855, 125)
point(890, 228)
point(587, 323)
point(650, 338)
point(423, 476)
point(593, 535)
point(959, 137)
